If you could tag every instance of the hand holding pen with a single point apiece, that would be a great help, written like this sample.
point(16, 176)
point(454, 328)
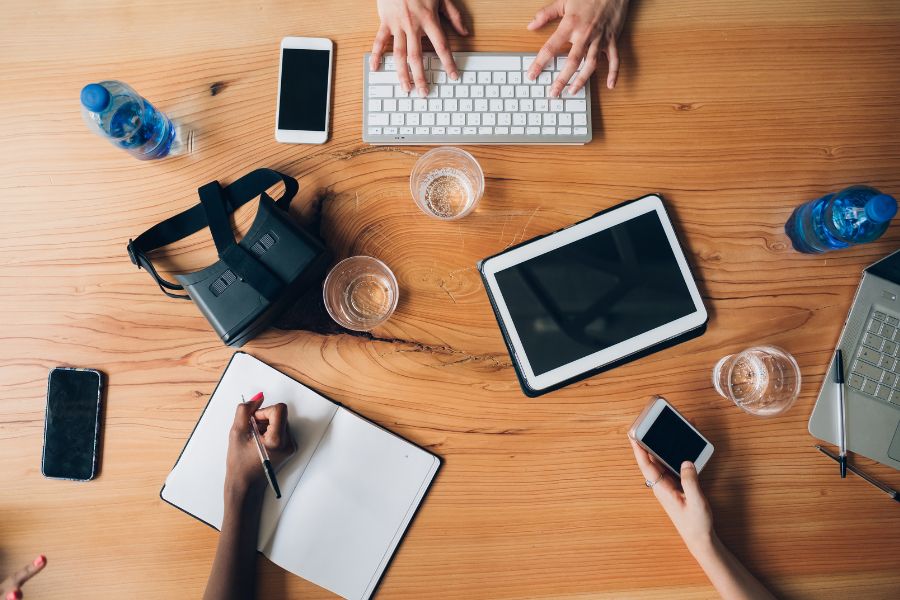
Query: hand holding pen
point(245, 467)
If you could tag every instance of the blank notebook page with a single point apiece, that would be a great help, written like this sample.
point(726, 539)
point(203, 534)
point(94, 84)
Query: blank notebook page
point(350, 509)
point(197, 481)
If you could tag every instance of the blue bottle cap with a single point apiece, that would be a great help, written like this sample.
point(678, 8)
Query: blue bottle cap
point(94, 97)
point(881, 208)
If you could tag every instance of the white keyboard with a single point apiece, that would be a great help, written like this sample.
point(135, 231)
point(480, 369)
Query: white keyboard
point(492, 102)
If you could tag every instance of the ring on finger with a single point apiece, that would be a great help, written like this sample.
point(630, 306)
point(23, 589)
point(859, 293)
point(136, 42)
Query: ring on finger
point(650, 484)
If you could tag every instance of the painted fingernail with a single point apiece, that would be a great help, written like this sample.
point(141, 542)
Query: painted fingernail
point(40, 561)
point(14, 595)
point(257, 397)
point(454, 75)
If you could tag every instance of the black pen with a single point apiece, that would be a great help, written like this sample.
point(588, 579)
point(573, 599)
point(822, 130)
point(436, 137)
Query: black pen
point(263, 454)
point(842, 418)
point(887, 490)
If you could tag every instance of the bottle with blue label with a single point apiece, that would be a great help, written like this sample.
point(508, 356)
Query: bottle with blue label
point(856, 215)
point(115, 111)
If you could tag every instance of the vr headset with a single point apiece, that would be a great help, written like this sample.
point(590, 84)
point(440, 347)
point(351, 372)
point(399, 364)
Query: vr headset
point(255, 279)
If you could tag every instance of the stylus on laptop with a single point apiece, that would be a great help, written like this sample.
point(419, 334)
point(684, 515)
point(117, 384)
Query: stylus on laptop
point(842, 418)
point(887, 490)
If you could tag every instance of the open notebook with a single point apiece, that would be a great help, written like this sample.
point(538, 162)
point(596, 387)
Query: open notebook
point(348, 493)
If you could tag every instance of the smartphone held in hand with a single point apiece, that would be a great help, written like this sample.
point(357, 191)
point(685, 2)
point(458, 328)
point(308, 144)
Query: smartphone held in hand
point(665, 434)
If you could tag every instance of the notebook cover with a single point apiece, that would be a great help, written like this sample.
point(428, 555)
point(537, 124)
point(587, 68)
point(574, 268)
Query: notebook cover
point(363, 417)
point(533, 393)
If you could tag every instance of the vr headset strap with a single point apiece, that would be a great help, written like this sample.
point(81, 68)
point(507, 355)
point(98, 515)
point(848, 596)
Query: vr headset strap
point(197, 217)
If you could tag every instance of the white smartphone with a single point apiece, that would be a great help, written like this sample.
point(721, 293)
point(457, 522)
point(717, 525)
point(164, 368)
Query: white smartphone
point(304, 90)
point(664, 433)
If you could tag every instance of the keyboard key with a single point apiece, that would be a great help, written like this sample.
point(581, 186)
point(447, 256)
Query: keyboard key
point(461, 91)
point(542, 105)
point(438, 131)
point(397, 118)
point(383, 77)
point(565, 118)
point(446, 91)
point(378, 119)
point(374, 130)
point(389, 105)
point(869, 355)
point(404, 105)
point(428, 118)
point(420, 105)
point(517, 131)
point(481, 105)
point(473, 119)
point(889, 348)
point(537, 91)
point(866, 370)
point(889, 332)
point(580, 118)
point(443, 119)
point(432, 92)
point(514, 78)
point(380, 91)
point(498, 77)
point(454, 131)
point(532, 130)
point(507, 91)
point(887, 363)
point(548, 130)
point(874, 326)
point(879, 316)
point(549, 119)
point(496, 105)
point(855, 381)
point(421, 131)
point(534, 118)
point(565, 131)
point(522, 91)
point(869, 387)
point(451, 105)
point(504, 119)
point(465, 105)
point(488, 63)
point(489, 119)
point(440, 77)
point(501, 130)
point(893, 321)
point(519, 119)
point(406, 131)
point(581, 131)
point(889, 379)
point(485, 130)
point(470, 130)
point(895, 397)
point(476, 91)
point(883, 392)
point(544, 78)
point(567, 93)
point(458, 118)
point(511, 105)
point(575, 106)
point(873, 341)
point(391, 131)
point(375, 105)
point(556, 105)
point(435, 106)
point(484, 77)
point(492, 91)
point(526, 105)
point(526, 62)
point(399, 93)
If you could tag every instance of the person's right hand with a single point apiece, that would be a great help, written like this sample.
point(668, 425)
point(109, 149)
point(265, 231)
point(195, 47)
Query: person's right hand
point(243, 468)
point(11, 587)
point(687, 507)
point(406, 21)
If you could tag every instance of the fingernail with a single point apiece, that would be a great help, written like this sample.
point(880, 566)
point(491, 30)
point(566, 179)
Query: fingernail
point(687, 465)
point(454, 75)
point(257, 398)
point(11, 596)
point(423, 92)
point(40, 561)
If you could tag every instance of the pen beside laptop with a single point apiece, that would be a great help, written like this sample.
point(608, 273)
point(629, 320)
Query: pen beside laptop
point(887, 490)
point(842, 415)
point(263, 454)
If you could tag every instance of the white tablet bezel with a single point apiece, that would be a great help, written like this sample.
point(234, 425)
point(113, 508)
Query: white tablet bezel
point(572, 234)
point(648, 418)
point(303, 136)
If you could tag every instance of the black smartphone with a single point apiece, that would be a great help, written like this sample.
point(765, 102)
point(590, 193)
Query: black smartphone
point(72, 424)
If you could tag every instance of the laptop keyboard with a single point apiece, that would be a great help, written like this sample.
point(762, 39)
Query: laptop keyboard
point(876, 363)
point(492, 102)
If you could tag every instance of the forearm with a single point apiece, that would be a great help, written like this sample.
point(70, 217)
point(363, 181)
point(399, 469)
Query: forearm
point(233, 574)
point(727, 574)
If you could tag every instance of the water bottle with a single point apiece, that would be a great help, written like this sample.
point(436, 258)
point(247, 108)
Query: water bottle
point(115, 111)
point(856, 215)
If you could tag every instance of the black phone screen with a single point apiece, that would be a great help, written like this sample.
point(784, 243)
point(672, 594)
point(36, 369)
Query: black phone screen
point(673, 440)
point(304, 89)
point(71, 424)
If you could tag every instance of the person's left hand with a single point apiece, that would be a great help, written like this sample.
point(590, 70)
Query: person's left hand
point(686, 506)
point(591, 26)
point(243, 468)
point(11, 587)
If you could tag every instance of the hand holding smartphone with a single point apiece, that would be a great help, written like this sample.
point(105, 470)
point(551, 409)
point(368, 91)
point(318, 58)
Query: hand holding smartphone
point(669, 438)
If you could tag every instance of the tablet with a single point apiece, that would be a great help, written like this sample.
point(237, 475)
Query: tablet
point(609, 289)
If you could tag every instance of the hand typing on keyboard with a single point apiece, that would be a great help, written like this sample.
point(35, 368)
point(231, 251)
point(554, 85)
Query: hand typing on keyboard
point(591, 26)
point(406, 21)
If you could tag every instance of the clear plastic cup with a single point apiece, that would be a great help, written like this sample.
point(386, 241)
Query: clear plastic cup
point(360, 293)
point(763, 380)
point(446, 183)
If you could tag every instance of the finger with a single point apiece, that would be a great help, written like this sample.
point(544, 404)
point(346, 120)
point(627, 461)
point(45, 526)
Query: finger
point(439, 41)
point(32, 569)
point(548, 52)
point(414, 58)
point(455, 17)
point(13, 594)
point(649, 470)
point(552, 11)
point(590, 64)
point(612, 52)
point(378, 47)
point(400, 60)
point(276, 424)
point(690, 482)
point(572, 62)
point(243, 411)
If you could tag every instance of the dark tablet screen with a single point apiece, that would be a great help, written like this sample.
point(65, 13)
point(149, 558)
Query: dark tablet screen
point(594, 293)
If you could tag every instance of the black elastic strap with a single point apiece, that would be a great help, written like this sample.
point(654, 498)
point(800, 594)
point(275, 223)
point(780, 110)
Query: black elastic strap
point(195, 218)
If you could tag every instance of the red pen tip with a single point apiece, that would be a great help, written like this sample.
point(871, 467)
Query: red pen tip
point(257, 398)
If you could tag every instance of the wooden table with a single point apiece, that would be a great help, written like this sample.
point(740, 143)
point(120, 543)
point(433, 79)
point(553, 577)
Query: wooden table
point(734, 111)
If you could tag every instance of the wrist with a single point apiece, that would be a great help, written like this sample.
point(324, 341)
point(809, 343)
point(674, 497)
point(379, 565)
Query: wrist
point(704, 548)
point(239, 491)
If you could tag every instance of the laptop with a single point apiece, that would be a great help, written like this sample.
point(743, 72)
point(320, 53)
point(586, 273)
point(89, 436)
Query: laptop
point(870, 342)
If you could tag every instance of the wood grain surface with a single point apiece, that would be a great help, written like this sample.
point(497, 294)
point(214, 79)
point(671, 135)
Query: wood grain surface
point(734, 110)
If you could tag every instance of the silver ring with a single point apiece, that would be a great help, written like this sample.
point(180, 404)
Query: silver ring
point(650, 484)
